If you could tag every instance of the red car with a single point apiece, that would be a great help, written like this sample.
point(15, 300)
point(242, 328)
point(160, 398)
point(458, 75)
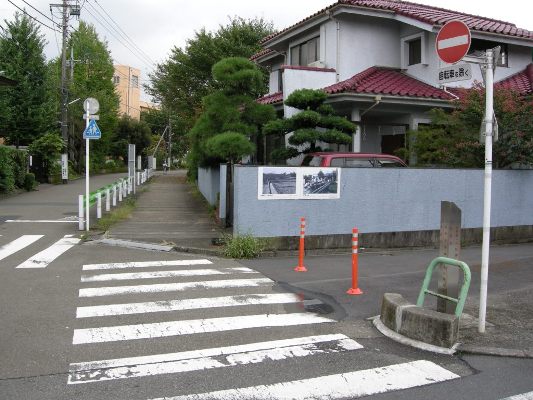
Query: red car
point(352, 160)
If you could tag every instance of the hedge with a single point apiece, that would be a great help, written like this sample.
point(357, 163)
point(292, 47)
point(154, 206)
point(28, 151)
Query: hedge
point(13, 167)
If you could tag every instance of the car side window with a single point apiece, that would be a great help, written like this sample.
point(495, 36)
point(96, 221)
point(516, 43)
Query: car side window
point(386, 163)
point(358, 163)
point(337, 162)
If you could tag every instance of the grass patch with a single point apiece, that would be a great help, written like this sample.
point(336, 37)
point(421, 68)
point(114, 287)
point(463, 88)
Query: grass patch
point(245, 246)
point(118, 214)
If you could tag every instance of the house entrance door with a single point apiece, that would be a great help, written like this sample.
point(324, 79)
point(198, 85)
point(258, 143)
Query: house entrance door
point(390, 143)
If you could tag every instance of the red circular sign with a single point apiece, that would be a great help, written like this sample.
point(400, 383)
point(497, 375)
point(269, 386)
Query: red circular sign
point(453, 41)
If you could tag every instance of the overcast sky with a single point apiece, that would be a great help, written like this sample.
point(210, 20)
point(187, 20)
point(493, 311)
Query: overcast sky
point(156, 26)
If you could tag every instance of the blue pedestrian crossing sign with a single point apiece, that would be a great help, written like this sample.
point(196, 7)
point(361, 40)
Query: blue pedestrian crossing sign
point(92, 131)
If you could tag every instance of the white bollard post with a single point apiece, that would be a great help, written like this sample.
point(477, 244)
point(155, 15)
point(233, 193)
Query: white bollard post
point(114, 195)
point(138, 178)
point(98, 205)
point(120, 188)
point(125, 188)
point(81, 218)
point(107, 200)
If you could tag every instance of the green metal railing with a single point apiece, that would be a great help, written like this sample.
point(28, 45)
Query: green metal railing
point(460, 301)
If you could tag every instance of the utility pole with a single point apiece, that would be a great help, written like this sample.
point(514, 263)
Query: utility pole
point(66, 10)
point(169, 142)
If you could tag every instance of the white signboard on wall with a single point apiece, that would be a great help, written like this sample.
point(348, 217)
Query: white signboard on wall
point(275, 183)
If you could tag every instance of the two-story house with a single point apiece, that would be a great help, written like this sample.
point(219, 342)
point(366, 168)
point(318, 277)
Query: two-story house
point(377, 61)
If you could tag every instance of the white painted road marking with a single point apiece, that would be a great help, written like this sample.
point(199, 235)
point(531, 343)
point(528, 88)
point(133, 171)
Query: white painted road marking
point(452, 42)
point(17, 244)
point(134, 367)
point(523, 396)
point(173, 287)
point(188, 327)
point(45, 257)
point(166, 274)
point(340, 386)
point(186, 304)
point(42, 220)
point(144, 264)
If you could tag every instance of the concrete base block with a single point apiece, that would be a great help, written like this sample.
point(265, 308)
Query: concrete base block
point(428, 326)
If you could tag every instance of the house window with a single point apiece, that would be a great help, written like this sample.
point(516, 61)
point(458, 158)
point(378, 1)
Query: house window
point(280, 80)
point(306, 53)
point(415, 51)
point(478, 46)
point(134, 81)
point(116, 80)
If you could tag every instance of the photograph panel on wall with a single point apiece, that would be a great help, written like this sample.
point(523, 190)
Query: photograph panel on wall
point(277, 183)
point(321, 183)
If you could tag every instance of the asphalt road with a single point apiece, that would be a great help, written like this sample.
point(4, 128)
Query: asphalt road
point(88, 326)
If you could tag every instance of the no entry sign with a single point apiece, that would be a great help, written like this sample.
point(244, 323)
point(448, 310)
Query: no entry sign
point(453, 42)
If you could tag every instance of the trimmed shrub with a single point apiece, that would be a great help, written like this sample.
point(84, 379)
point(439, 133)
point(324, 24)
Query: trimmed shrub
point(29, 182)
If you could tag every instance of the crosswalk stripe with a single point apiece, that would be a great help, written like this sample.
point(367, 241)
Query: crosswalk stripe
point(188, 327)
point(144, 264)
point(134, 367)
point(172, 287)
point(186, 304)
point(522, 396)
point(166, 274)
point(45, 257)
point(348, 385)
point(17, 244)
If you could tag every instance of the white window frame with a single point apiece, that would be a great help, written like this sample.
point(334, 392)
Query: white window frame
point(315, 34)
point(405, 49)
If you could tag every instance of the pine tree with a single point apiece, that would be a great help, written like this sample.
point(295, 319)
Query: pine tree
point(314, 125)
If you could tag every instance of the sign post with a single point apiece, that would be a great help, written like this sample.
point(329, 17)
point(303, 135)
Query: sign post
point(489, 87)
point(90, 105)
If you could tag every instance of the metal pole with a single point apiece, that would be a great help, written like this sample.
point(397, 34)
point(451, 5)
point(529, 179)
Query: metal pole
point(99, 205)
point(64, 92)
point(107, 200)
point(80, 212)
point(87, 169)
point(487, 190)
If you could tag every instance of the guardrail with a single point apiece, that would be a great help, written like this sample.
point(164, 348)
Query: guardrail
point(121, 188)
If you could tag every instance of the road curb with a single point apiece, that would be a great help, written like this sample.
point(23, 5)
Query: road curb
point(494, 351)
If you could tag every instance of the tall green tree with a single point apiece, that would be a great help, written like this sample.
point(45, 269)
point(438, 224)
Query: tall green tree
point(185, 78)
point(93, 77)
point(229, 126)
point(128, 131)
point(26, 110)
point(316, 123)
point(453, 139)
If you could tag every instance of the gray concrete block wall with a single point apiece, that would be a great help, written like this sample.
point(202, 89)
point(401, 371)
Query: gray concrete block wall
point(209, 183)
point(386, 200)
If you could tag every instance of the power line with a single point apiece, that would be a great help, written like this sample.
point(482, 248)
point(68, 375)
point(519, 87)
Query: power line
point(99, 20)
point(146, 56)
point(46, 16)
point(32, 17)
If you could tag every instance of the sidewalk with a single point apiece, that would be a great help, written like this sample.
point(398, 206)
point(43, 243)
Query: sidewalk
point(168, 211)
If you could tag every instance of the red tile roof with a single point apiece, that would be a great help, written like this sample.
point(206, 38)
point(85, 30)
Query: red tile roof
point(304, 68)
point(261, 53)
point(521, 82)
point(387, 81)
point(271, 98)
point(427, 14)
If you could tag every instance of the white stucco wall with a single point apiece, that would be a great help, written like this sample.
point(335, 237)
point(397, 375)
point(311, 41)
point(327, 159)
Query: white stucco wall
point(366, 42)
point(294, 79)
